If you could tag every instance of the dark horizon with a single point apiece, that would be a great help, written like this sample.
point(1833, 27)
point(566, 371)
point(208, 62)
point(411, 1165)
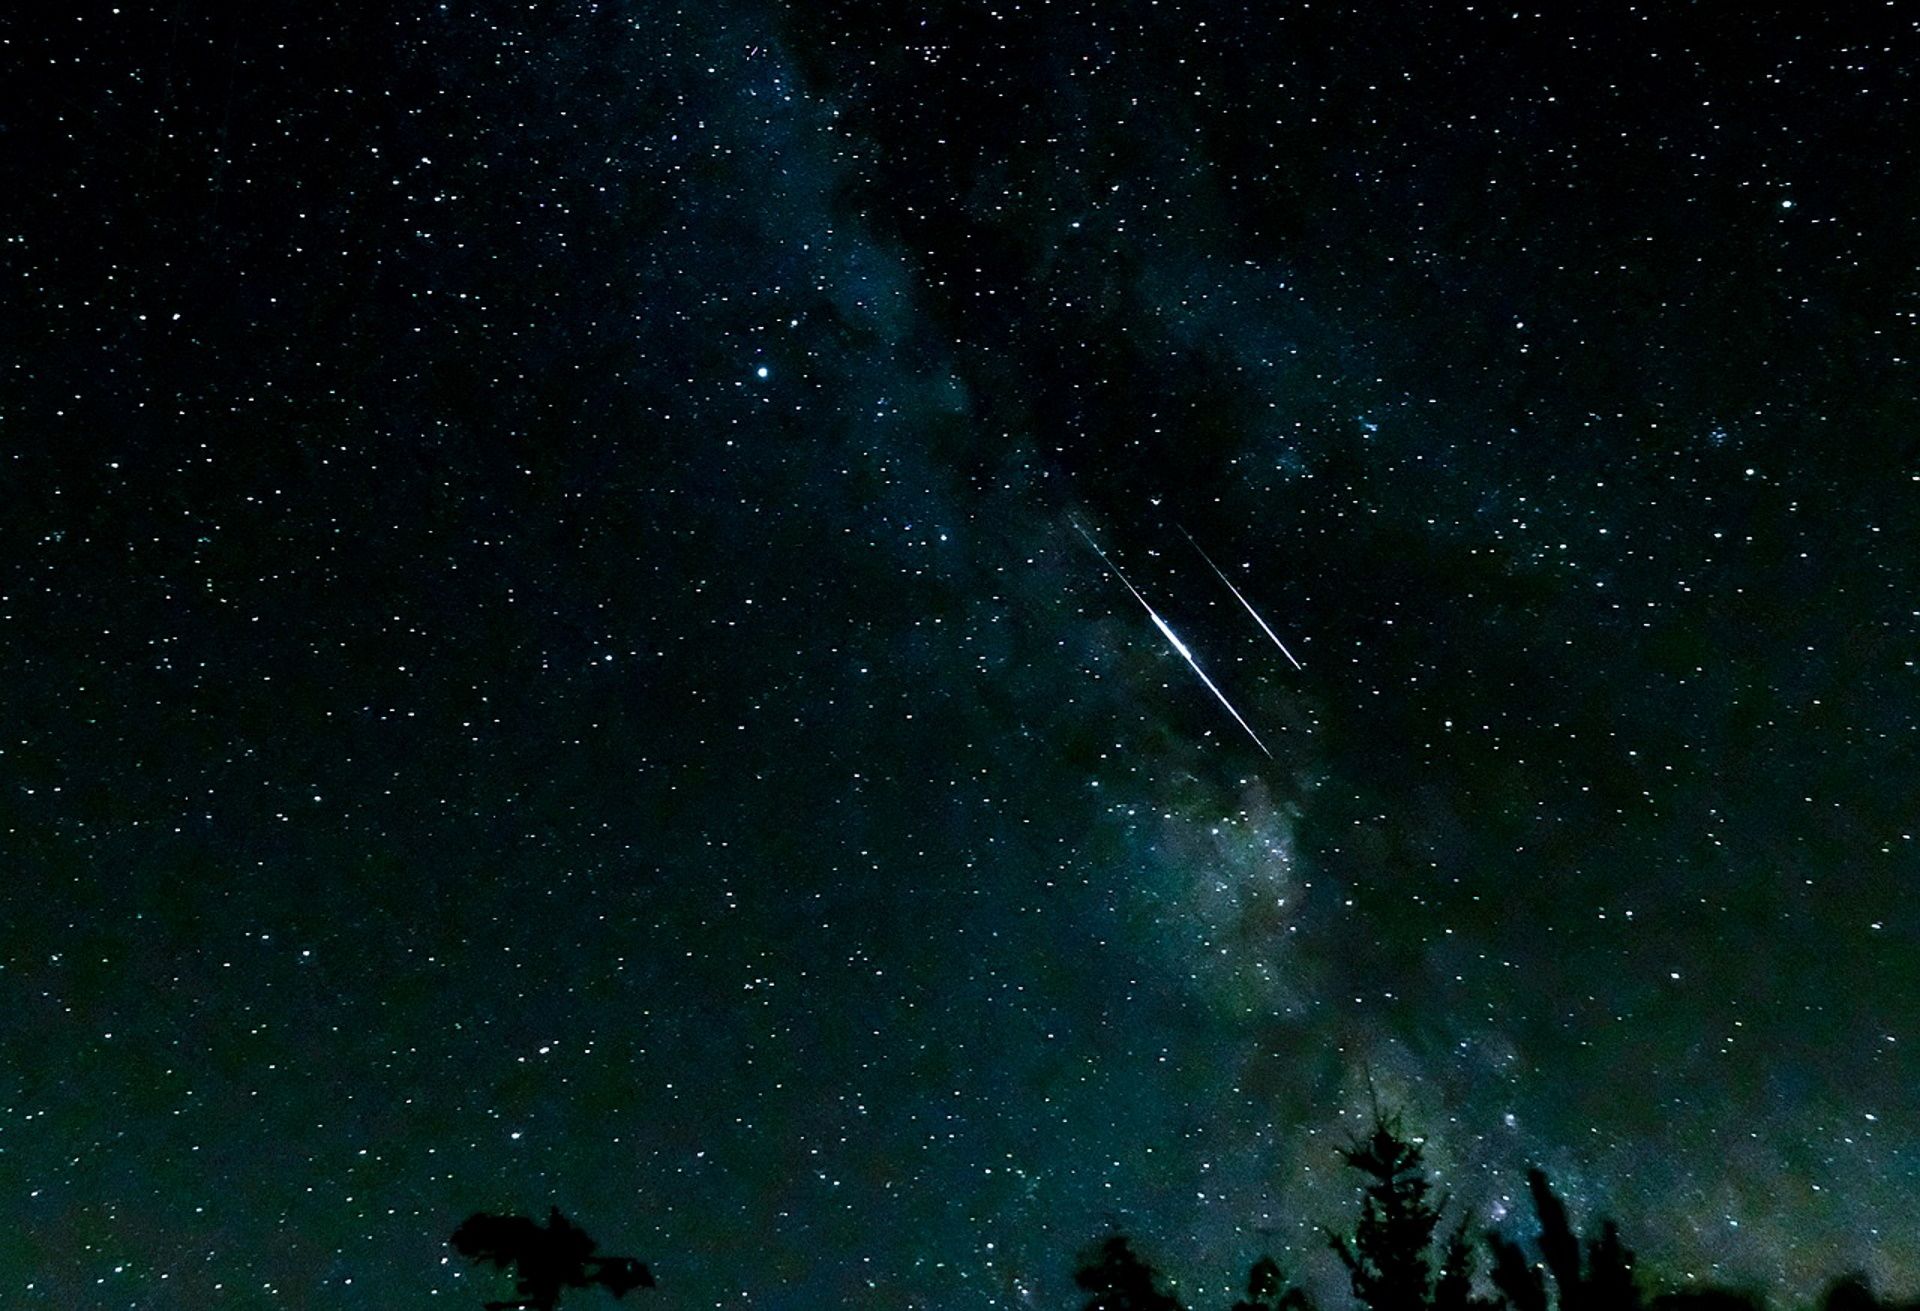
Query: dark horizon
point(555, 647)
point(1406, 1247)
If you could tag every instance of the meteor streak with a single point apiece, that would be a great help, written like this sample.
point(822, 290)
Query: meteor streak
point(1242, 600)
point(1168, 633)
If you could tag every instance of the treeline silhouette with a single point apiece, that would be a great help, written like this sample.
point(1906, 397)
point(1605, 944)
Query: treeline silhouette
point(546, 1260)
point(1396, 1257)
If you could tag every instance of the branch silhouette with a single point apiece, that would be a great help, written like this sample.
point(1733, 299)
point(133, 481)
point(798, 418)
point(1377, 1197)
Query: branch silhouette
point(546, 1260)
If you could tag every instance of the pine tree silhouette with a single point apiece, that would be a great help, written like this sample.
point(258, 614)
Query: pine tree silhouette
point(1386, 1259)
point(1610, 1282)
point(1558, 1247)
point(1267, 1290)
point(1120, 1281)
point(1518, 1279)
point(1453, 1286)
point(546, 1260)
point(1602, 1282)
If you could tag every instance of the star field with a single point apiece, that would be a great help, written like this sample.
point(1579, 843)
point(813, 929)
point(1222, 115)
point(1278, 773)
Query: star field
point(554, 647)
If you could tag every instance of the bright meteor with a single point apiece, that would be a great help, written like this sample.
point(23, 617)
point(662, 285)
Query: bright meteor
point(1241, 599)
point(1168, 633)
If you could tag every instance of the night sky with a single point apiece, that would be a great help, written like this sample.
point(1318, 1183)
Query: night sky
point(552, 646)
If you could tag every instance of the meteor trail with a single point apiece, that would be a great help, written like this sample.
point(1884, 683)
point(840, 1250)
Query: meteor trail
point(1168, 633)
point(1242, 600)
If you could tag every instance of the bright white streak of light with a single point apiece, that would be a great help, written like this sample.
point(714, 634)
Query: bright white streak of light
point(1181, 647)
point(1178, 645)
point(1242, 600)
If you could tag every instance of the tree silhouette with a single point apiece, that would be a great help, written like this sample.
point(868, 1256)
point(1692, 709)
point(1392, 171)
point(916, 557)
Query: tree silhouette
point(1386, 1259)
point(1518, 1279)
point(1602, 1282)
point(1558, 1247)
point(1610, 1282)
point(1852, 1292)
point(1267, 1290)
point(1453, 1286)
point(1849, 1292)
point(546, 1260)
point(1120, 1281)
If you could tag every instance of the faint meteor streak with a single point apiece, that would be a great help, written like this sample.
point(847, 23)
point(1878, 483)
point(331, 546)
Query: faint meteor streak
point(1242, 600)
point(1169, 634)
